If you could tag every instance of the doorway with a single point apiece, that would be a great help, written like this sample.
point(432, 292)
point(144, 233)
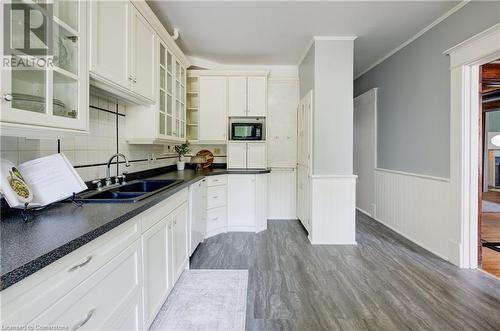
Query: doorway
point(489, 188)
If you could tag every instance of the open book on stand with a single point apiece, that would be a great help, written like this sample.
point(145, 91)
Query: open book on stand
point(39, 182)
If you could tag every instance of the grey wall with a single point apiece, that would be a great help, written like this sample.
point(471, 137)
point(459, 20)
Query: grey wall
point(306, 73)
point(414, 94)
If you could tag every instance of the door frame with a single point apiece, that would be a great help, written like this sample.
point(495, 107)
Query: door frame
point(465, 161)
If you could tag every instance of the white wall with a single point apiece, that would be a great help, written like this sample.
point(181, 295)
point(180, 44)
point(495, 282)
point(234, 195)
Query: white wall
point(365, 144)
point(333, 107)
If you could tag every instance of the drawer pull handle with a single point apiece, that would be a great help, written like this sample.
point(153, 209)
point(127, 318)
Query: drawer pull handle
point(215, 219)
point(84, 321)
point(215, 180)
point(215, 196)
point(81, 265)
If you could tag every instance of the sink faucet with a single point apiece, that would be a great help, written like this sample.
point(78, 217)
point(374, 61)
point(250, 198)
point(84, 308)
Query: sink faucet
point(117, 155)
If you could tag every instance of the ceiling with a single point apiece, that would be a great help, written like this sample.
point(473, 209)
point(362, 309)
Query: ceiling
point(278, 32)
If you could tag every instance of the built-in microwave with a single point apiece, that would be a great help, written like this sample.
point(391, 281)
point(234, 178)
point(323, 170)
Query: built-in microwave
point(246, 131)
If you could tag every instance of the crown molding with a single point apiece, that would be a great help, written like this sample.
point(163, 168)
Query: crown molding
point(415, 37)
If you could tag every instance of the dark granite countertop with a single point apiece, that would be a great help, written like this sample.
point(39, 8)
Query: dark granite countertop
point(64, 227)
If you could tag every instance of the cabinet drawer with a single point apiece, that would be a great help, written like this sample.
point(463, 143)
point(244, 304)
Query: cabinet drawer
point(101, 302)
point(216, 196)
point(216, 180)
point(216, 218)
point(159, 211)
point(23, 301)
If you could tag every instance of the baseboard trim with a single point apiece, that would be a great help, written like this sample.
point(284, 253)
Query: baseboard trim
point(364, 212)
point(411, 239)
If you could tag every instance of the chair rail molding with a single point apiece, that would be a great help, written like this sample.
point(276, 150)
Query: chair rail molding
point(465, 61)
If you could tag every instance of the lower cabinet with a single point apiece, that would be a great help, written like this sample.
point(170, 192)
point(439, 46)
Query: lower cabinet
point(110, 299)
point(247, 202)
point(118, 281)
point(165, 253)
point(158, 279)
point(179, 226)
point(216, 205)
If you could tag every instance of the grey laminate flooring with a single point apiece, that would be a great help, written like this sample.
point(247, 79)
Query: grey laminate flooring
point(384, 283)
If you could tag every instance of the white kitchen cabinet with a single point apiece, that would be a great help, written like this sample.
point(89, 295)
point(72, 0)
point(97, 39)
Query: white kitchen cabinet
point(216, 205)
point(257, 96)
point(142, 55)
point(247, 202)
point(37, 99)
point(236, 155)
point(237, 96)
point(157, 269)
point(197, 214)
point(107, 300)
point(110, 41)
point(281, 121)
point(247, 96)
point(122, 49)
point(212, 109)
point(179, 225)
point(246, 155)
point(256, 155)
point(241, 202)
point(282, 194)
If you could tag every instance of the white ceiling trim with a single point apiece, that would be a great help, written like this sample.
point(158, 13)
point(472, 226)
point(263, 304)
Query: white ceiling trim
point(416, 36)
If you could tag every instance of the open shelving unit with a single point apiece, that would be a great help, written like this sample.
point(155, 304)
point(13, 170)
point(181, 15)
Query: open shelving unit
point(192, 108)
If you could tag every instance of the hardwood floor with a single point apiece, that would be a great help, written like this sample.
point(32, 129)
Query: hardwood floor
point(490, 231)
point(384, 283)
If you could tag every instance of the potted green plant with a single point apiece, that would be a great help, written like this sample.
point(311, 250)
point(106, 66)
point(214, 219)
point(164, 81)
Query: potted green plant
point(182, 150)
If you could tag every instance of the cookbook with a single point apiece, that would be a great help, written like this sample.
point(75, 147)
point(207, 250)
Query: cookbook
point(39, 182)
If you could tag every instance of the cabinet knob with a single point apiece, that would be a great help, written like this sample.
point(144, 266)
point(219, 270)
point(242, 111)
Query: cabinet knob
point(7, 97)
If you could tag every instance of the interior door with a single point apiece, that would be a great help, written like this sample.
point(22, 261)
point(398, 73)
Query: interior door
point(257, 92)
point(109, 31)
point(143, 53)
point(237, 96)
point(212, 109)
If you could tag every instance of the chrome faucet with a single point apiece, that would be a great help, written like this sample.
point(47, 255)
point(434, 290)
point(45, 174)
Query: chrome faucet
point(117, 155)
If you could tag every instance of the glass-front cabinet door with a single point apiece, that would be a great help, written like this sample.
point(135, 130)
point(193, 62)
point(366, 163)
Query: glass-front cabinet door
point(172, 96)
point(44, 79)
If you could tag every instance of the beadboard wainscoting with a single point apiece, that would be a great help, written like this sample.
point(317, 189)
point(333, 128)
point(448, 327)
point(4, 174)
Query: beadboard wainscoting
point(333, 210)
point(417, 207)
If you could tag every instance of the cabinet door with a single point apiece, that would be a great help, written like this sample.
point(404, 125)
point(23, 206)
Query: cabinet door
point(142, 53)
point(257, 96)
point(180, 257)
point(241, 203)
point(212, 109)
point(107, 300)
point(156, 248)
point(256, 155)
point(197, 214)
point(237, 96)
point(237, 155)
point(109, 32)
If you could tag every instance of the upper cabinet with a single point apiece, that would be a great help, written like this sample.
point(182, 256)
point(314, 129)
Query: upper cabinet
point(212, 108)
point(247, 96)
point(52, 94)
point(142, 55)
point(122, 49)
